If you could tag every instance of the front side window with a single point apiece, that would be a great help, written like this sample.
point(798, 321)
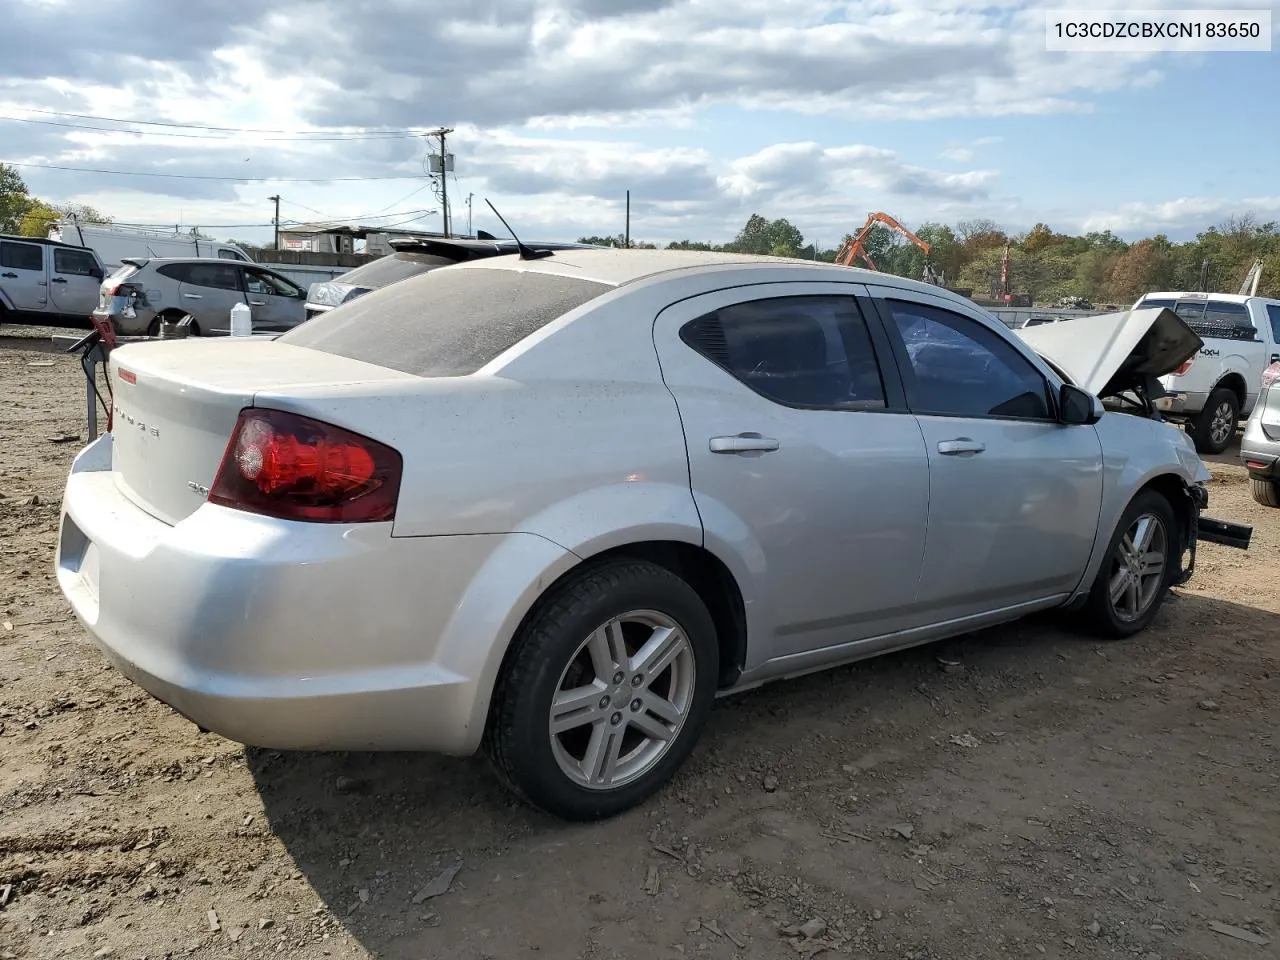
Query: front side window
point(963, 369)
point(803, 351)
point(74, 263)
point(264, 283)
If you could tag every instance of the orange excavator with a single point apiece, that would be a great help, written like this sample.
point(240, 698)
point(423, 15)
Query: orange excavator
point(853, 249)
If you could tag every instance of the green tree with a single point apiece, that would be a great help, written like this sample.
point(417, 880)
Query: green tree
point(15, 199)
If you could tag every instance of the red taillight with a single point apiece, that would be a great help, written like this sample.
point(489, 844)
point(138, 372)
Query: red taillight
point(1271, 375)
point(295, 468)
point(1185, 367)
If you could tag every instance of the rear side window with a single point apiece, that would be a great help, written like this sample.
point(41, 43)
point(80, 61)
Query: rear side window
point(21, 256)
point(1153, 304)
point(398, 266)
point(212, 274)
point(445, 323)
point(1219, 319)
point(1273, 314)
point(174, 271)
point(810, 352)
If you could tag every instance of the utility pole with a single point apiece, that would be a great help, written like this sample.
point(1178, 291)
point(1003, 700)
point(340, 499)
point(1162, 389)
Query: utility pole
point(470, 232)
point(441, 133)
point(276, 221)
point(626, 237)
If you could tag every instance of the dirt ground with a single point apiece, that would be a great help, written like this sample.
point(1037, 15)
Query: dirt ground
point(1050, 797)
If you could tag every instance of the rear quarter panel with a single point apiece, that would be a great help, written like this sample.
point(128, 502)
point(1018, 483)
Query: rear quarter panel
point(571, 436)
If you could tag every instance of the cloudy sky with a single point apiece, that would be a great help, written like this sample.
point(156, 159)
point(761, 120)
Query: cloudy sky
point(707, 110)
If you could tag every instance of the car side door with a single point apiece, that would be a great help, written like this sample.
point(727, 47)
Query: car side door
point(24, 274)
point(1014, 495)
point(809, 475)
point(275, 301)
point(75, 282)
point(209, 289)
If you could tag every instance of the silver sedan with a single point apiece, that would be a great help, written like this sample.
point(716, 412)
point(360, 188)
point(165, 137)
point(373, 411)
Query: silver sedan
point(554, 505)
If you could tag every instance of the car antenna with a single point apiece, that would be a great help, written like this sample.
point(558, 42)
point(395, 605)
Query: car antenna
point(526, 253)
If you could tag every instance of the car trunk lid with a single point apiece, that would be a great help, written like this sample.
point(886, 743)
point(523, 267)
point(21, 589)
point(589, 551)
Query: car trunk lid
point(174, 405)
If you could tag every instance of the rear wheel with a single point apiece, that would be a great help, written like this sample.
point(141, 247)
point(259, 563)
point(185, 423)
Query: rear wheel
point(1134, 578)
point(1216, 424)
point(153, 330)
point(1266, 492)
point(605, 691)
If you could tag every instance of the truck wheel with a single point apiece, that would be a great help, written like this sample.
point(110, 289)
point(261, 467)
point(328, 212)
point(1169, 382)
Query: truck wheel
point(1266, 492)
point(1134, 576)
point(1215, 425)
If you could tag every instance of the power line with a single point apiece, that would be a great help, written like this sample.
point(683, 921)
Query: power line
point(202, 126)
point(285, 224)
point(193, 176)
point(320, 138)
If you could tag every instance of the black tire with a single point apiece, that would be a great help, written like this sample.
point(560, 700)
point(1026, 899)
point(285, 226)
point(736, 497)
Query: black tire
point(1100, 610)
point(1266, 492)
point(1222, 404)
point(518, 737)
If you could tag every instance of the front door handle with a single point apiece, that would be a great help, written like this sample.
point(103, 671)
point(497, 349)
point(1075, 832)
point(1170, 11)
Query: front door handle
point(743, 443)
point(193, 296)
point(9, 276)
point(257, 303)
point(960, 446)
point(57, 280)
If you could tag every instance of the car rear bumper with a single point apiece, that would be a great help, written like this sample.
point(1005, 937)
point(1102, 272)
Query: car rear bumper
point(297, 635)
point(1260, 448)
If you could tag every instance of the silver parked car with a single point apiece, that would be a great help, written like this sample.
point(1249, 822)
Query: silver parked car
point(556, 506)
point(1260, 446)
point(142, 293)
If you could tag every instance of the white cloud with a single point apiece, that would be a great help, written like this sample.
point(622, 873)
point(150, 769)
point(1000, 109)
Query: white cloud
point(1148, 218)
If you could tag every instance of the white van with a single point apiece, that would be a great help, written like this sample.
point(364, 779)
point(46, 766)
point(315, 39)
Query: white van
point(114, 244)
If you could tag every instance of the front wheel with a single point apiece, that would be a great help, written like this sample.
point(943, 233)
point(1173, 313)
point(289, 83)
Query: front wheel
point(1134, 578)
point(605, 691)
point(1216, 424)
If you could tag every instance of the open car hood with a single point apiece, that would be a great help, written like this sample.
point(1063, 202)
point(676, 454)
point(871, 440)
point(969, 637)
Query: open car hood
point(1111, 353)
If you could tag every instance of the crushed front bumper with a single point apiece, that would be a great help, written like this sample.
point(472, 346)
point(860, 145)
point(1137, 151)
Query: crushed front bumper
point(1208, 529)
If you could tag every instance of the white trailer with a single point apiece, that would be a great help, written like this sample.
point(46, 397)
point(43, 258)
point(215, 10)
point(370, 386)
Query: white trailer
point(114, 243)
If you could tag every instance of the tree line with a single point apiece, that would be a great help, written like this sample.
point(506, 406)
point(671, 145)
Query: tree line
point(1048, 265)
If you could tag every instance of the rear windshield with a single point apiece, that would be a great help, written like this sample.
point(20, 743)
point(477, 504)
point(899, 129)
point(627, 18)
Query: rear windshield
point(445, 323)
point(1214, 319)
point(388, 270)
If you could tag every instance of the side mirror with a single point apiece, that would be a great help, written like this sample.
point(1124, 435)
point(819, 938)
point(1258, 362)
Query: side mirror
point(97, 273)
point(1078, 407)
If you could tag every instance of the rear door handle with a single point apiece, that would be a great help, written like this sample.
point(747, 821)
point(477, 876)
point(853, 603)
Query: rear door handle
point(9, 276)
point(193, 296)
point(960, 446)
point(743, 443)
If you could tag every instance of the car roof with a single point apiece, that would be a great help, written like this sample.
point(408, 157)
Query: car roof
point(618, 267)
point(463, 248)
point(1201, 295)
point(44, 241)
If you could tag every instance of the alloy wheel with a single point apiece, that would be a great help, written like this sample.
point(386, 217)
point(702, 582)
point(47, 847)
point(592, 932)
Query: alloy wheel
point(622, 700)
point(1223, 424)
point(1138, 567)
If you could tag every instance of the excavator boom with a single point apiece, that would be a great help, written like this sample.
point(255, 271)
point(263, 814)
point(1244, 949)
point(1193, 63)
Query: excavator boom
point(852, 250)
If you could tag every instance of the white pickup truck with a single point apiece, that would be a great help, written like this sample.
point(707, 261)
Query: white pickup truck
point(1218, 387)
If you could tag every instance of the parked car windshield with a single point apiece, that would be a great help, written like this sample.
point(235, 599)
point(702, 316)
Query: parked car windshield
point(445, 323)
point(388, 270)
